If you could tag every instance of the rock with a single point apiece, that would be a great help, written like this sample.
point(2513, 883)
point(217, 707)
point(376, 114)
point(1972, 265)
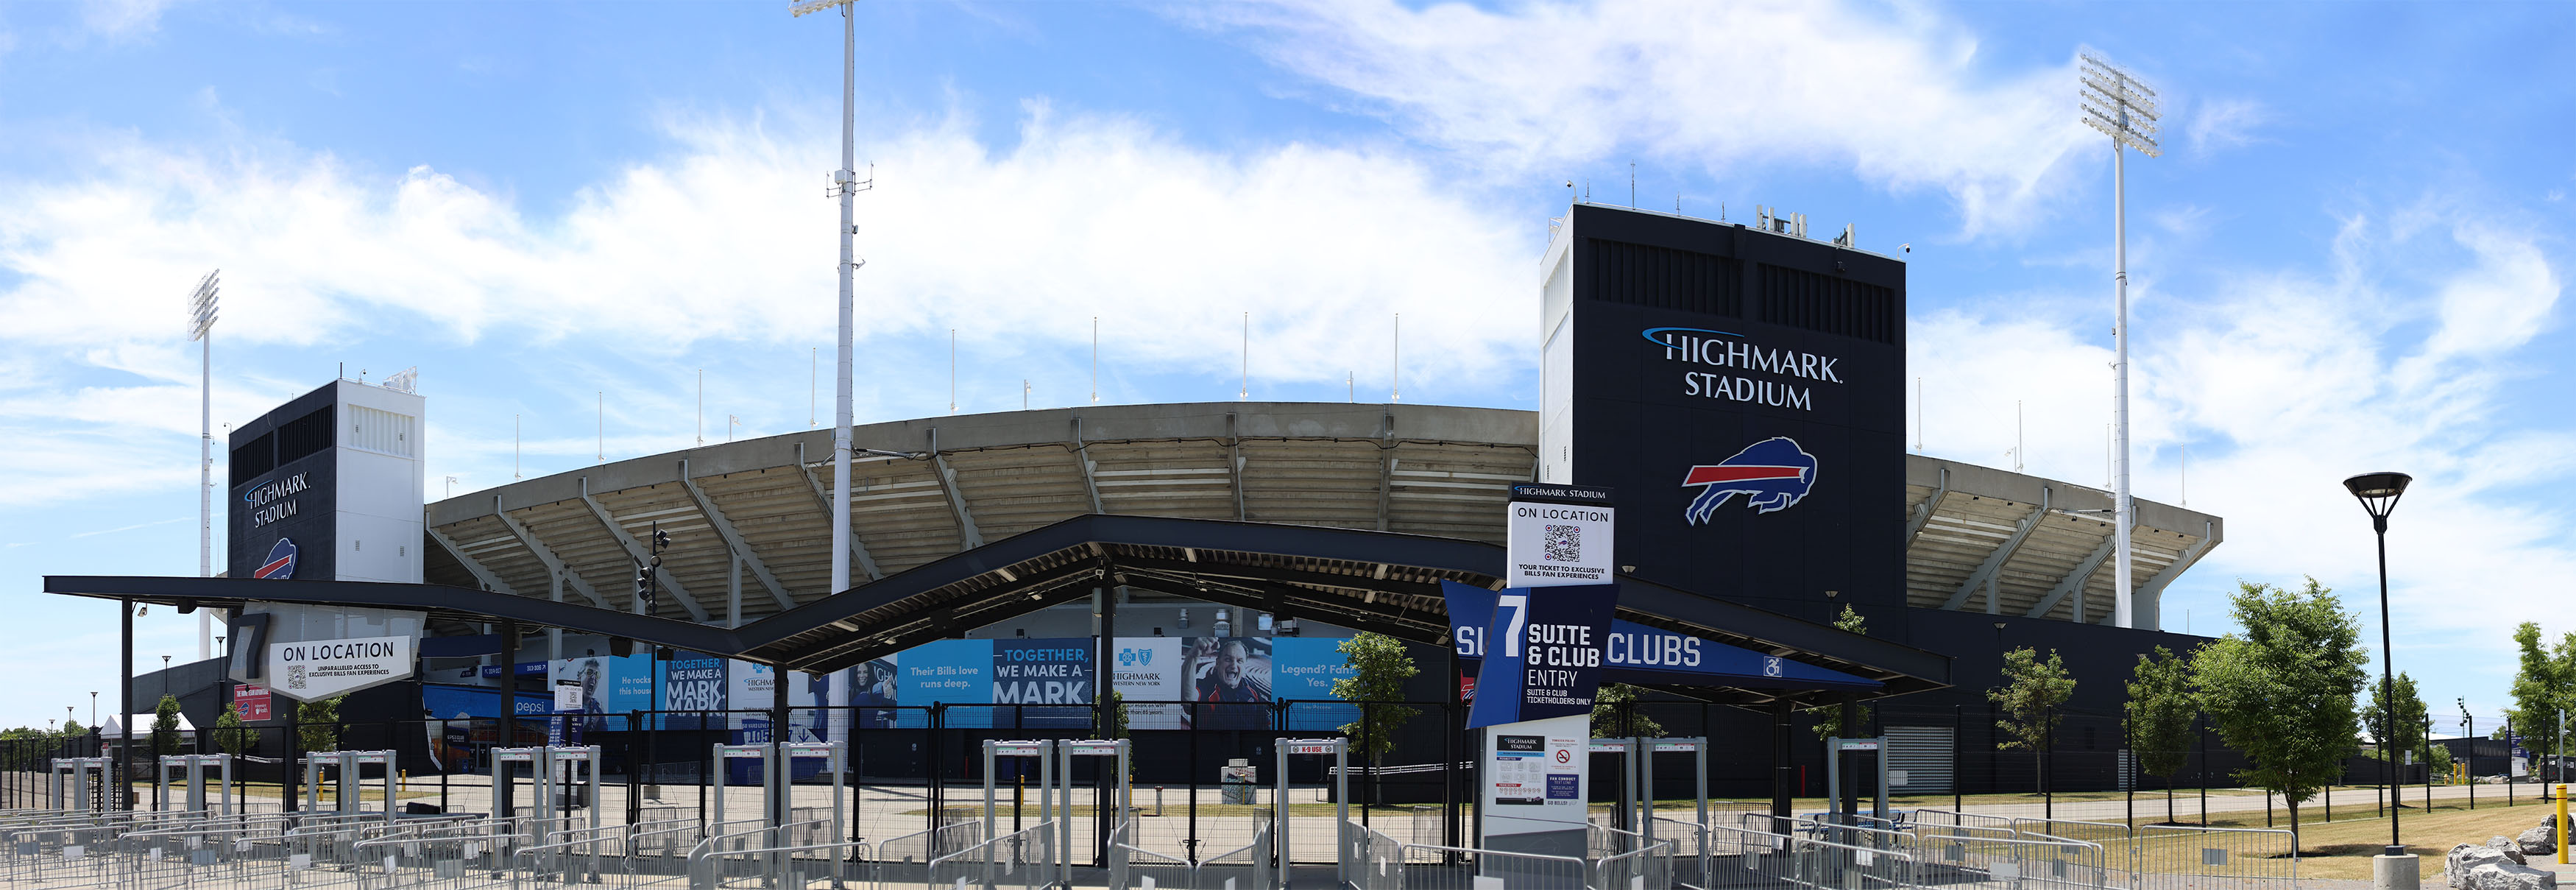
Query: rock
point(2539, 841)
point(2511, 850)
point(2502, 875)
point(2466, 858)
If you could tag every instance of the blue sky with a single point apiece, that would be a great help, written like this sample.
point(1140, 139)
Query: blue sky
point(2349, 258)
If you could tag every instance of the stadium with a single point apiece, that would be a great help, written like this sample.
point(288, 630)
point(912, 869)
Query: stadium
point(1204, 561)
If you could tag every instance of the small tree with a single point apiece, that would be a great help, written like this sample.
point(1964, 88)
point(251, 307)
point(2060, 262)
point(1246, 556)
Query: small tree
point(165, 726)
point(1829, 718)
point(2282, 692)
point(1614, 714)
point(2028, 700)
point(2160, 716)
point(1119, 730)
point(2543, 684)
point(2409, 735)
point(230, 734)
point(318, 724)
point(1379, 666)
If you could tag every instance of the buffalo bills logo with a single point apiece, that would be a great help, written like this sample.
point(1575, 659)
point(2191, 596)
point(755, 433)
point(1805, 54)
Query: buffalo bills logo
point(1772, 475)
point(281, 561)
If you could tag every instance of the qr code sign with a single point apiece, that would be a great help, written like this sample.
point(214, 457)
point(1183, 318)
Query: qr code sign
point(294, 676)
point(1564, 544)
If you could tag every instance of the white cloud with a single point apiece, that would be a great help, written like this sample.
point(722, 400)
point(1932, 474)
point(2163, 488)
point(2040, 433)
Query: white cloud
point(123, 18)
point(2398, 356)
point(728, 238)
point(2222, 124)
point(1904, 100)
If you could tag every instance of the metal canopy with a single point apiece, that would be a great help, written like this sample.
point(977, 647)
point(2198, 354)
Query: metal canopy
point(1367, 580)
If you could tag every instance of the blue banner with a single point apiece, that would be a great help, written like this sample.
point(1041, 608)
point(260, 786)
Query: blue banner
point(1302, 671)
point(1546, 653)
point(1635, 653)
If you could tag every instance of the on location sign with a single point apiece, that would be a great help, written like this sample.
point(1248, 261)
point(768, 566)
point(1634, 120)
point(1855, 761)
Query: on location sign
point(325, 668)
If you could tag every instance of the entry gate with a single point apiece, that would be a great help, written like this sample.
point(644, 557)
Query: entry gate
point(350, 787)
point(551, 768)
point(1840, 747)
point(777, 780)
point(1637, 796)
point(1351, 843)
point(1116, 812)
point(192, 768)
point(79, 783)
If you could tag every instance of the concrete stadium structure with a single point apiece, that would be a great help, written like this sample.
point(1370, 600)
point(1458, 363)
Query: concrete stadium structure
point(750, 536)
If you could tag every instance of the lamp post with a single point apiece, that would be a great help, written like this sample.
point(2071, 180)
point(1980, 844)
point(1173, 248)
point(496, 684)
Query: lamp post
point(2378, 493)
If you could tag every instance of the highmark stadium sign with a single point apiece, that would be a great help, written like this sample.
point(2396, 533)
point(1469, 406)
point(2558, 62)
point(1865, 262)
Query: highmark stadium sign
point(1728, 351)
point(325, 668)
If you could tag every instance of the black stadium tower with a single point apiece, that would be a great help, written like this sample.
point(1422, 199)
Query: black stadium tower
point(1741, 388)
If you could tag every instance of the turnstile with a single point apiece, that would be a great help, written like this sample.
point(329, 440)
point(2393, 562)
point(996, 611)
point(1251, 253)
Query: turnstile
point(778, 779)
point(350, 787)
point(1837, 747)
point(1637, 777)
point(79, 783)
point(192, 768)
point(1116, 813)
point(550, 767)
point(1340, 751)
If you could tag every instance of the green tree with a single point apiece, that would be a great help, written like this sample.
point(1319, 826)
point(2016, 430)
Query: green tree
point(72, 727)
point(231, 735)
point(2543, 684)
point(2033, 688)
point(2160, 717)
point(318, 724)
point(1614, 714)
point(1829, 718)
point(1379, 666)
point(2282, 690)
point(2410, 720)
point(165, 726)
point(1118, 731)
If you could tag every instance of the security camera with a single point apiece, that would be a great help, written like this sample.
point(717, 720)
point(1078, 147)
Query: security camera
point(1908, 247)
point(1569, 183)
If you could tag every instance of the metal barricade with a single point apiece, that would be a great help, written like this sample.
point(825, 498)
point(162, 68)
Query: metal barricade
point(1744, 857)
point(2183, 857)
point(1243, 868)
point(1687, 861)
point(1370, 859)
point(839, 864)
point(1823, 864)
point(1527, 870)
point(1023, 859)
point(1131, 867)
point(1647, 867)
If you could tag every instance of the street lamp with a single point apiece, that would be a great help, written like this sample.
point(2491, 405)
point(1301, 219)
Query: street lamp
point(2378, 493)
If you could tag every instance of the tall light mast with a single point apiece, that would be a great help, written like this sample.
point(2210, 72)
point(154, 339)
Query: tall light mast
point(844, 185)
point(2123, 108)
point(201, 329)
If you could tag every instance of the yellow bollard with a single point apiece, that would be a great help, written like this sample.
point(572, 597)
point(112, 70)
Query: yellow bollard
point(2561, 794)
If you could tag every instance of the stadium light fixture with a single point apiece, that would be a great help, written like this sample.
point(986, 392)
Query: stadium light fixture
point(2123, 108)
point(845, 186)
point(2378, 493)
point(201, 328)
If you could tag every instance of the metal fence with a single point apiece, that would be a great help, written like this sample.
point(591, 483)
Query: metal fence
point(1024, 859)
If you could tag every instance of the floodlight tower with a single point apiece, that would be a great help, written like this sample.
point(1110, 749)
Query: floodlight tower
point(2123, 108)
point(845, 185)
point(201, 328)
